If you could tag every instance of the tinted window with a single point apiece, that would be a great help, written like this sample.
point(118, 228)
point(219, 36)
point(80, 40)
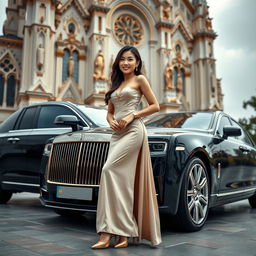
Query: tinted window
point(180, 120)
point(224, 121)
point(9, 123)
point(243, 137)
point(48, 114)
point(27, 120)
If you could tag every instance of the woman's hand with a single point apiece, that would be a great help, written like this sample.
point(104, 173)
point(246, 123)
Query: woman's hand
point(114, 125)
point(126, 120)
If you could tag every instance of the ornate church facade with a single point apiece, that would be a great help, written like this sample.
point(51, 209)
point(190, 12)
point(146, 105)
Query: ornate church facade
point(64, 50)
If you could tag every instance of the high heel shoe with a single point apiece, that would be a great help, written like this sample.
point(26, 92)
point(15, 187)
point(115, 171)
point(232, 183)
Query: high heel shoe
point(122, 243)
point(103, 243)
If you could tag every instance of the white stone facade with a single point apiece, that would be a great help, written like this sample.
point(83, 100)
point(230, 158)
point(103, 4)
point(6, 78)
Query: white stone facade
point(63, 50)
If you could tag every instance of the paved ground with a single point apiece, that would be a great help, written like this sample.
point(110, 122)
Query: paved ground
point(29, 229)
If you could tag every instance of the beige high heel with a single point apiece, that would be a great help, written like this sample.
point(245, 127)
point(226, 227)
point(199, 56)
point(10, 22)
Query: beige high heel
point(104, 241)
point(122, 242)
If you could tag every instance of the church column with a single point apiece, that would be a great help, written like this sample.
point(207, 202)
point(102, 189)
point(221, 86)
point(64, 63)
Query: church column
point(38, 53)
point(98, 55)
point(202, 54)
point(153, 75)
point(59, 61)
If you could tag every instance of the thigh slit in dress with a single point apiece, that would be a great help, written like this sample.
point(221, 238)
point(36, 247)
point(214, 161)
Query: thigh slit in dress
point(127, 204)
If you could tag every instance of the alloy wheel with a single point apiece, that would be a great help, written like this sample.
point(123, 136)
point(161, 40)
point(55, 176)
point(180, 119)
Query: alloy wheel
point(197, 193)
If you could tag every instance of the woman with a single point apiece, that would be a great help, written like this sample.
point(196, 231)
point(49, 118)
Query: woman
point(127, 204)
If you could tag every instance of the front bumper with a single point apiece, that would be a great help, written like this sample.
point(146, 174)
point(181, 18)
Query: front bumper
point(48, 198)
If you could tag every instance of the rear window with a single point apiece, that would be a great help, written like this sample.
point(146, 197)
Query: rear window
point(27, 121)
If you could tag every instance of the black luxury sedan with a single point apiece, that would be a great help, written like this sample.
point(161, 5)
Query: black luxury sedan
point(23, 137)
point(200, 160)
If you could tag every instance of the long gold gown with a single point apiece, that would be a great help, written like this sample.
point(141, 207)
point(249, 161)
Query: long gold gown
point(127, 204)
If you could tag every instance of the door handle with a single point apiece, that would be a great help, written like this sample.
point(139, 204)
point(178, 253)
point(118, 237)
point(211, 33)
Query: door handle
point(13, 140)
point(244, 149)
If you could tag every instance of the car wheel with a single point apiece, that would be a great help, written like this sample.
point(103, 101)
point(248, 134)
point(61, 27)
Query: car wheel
point(68, 213)
point(194, 197)
point(5, 196)
point(252, 201)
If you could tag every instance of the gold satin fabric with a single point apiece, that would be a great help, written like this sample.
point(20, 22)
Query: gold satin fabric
point(127, 204)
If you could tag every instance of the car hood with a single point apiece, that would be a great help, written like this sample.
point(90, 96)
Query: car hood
point(104, 134)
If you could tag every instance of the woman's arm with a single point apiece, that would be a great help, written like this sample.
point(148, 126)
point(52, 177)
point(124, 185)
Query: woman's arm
point(110, 117)
point(146, 90)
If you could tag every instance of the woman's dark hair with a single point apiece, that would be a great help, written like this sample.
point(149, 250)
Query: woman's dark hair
point(117, 75)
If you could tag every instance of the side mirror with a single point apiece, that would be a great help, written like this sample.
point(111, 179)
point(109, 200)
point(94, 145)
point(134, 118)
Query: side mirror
point(231, 131)
point(68, 120)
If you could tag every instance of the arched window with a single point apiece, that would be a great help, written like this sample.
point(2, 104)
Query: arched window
point(11, 91)
point(182, 74)
point(75, 58)
point(1, 89)
point(175, 77)
point(177, 48)
point(65, 65)
point(71, 28)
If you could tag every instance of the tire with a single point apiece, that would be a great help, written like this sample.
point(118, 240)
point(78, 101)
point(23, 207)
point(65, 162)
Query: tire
point(5, 196)
point(252, 201)
point(68, 213)
point(194, 197)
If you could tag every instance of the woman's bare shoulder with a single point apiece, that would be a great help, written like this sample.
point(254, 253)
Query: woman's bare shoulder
point(141, 79)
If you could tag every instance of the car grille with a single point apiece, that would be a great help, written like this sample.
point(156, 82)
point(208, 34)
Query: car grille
point(77, 163)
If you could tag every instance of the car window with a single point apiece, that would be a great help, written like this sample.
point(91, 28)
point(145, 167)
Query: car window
point(48, 114)
point(9, 123)
point(243, 137)
point(224, 121)
point(27, 120)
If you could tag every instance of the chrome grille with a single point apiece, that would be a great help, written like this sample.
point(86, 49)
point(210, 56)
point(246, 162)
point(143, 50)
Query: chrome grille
point(77, 163)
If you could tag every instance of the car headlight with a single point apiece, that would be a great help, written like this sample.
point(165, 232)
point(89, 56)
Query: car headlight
point(47, 149)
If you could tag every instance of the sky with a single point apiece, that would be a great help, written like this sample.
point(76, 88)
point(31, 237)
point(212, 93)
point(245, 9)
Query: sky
point(234, 21)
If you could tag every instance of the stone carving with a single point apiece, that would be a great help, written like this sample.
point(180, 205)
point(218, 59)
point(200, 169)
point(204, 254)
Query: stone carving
point(208, 23)
point(71, 64)
point(40, 56)
point(179, 89)
point(99, 66)
point(168, 76)
point(166, 12)
point(42, 13)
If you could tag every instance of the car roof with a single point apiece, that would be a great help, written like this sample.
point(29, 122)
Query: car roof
point(67, 103)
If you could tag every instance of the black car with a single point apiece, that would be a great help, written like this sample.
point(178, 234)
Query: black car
point(23, 136)
point(200, 160)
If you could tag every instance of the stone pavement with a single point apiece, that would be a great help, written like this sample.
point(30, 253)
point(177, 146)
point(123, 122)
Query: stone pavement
point(29, 229)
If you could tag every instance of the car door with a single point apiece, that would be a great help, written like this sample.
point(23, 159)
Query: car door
point(15, 153)
point(230, 164)
point(246, 146)
point(44, 130)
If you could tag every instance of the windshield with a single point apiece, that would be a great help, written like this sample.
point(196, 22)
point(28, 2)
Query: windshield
point(180, 120)
point(98, 116)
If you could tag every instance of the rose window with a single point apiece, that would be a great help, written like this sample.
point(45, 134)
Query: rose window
point(128, 30)
point(6, 65)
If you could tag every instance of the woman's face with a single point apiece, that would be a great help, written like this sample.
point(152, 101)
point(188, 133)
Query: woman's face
point(128, 62)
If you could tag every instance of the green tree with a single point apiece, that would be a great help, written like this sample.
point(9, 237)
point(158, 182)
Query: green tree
point(250, 123)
